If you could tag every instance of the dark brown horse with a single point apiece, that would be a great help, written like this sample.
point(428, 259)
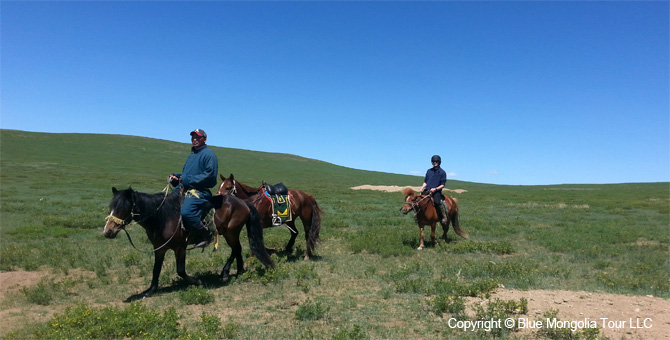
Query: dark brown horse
point(426, 214)
point(302, 205)
point(230, 214)
point(159, 215)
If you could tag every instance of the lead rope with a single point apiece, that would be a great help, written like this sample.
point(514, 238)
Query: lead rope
point(166, 191)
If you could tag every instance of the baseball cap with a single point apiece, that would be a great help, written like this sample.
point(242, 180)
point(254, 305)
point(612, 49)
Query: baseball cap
point(199, 132)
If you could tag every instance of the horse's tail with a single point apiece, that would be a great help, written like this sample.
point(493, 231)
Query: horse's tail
point(255, 235)
point(315, 228)
point(454, 222)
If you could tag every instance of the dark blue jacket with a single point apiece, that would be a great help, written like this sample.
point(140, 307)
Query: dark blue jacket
point(200, 169)
point(434, 178)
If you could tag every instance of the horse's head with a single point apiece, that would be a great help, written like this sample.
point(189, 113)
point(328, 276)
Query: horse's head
point(227, 187)
point(120, 212)
point(411, 200)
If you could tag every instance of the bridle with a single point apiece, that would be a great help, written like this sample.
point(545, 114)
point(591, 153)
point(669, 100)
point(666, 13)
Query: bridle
point(415, 205)
point(233, 191)
point(122, 223)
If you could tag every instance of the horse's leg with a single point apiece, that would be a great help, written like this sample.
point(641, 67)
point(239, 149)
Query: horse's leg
point(235, 253)
point(420, 238)
point(445, 229)
point(225, 273)
point(180, 255)
point(240, 261)
point(159, 256)
point(294, 235)
point(306, 218)
point(432, 233)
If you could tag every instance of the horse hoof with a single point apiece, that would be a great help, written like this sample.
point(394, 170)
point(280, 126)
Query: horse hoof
point(420, 248)
point(225, 278)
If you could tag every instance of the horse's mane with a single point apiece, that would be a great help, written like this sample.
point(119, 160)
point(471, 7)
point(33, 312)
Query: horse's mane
point(247, 189)
point(407, 191)
point(154, 206)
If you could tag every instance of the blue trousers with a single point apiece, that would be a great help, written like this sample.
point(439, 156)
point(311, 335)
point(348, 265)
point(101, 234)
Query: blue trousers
point(195, 207)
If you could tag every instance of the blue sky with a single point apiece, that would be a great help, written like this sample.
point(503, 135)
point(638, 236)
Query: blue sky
point(528, 92)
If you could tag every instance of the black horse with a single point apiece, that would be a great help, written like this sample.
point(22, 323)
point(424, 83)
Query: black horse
point(159, 215)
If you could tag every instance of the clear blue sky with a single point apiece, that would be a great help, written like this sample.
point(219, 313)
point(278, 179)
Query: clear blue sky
point(506, 92)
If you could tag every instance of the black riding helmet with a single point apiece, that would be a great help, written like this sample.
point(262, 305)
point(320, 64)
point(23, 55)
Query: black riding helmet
point(436, 158)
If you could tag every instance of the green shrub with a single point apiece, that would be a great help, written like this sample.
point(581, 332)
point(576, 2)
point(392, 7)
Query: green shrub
point(311, 310)
point(565, 333)
point(136, 321)
point(356, 333)
point(501, 310)
point(444, 303)
point(196, 295)
point(42, 294)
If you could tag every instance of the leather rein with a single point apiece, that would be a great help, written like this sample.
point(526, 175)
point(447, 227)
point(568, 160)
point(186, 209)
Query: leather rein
point(131, 218)
point(415, 205)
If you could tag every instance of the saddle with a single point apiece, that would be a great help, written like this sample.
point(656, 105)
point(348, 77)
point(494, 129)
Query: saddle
point(280, 201)
point(277, 189)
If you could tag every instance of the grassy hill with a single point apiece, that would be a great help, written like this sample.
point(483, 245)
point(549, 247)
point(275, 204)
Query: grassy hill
point(369, 281)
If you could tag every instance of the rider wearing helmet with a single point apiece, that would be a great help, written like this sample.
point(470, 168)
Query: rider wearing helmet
point(433, 183)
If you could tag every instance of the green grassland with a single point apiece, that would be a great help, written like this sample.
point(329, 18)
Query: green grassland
point(369, 280)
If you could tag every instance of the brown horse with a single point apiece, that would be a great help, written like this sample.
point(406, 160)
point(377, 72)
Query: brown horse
point(302, 205)
point(160, 215)
point(230, 214)
point(426, 214)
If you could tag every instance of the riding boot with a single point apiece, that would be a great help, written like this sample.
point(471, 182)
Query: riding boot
point(202, 235)
point(445, 216)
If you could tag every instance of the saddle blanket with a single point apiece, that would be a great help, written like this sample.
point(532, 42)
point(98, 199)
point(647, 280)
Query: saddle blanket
point(281, 208)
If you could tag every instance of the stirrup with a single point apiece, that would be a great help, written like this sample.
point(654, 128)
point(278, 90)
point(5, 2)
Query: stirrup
point(276, 220)
point(202, 244)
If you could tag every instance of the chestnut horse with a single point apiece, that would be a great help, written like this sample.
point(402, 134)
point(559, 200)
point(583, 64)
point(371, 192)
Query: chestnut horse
point(302, 205)
point(230, 213)
point(426, 214)
point(160, 215)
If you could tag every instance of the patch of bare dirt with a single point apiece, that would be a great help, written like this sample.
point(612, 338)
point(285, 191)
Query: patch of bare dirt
point(617, 316)
point(395, 188)
point(15, 312)
point(12, 282)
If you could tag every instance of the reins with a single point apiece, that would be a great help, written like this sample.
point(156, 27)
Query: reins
point(123, 223)
point(415, 205)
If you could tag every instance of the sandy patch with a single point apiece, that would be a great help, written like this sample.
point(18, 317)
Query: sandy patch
point(395, 188)
point(617, 316)
point(13, 282)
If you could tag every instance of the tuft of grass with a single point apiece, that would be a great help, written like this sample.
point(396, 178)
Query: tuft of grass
point(499, 248)
point(311, 310)
point(196, 295)
point(501, 310)
point(136, 321)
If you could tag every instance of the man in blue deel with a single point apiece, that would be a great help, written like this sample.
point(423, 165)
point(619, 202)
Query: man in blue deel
point(197, 177)
point(433, 183)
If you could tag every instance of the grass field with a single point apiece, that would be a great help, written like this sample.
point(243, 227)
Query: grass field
point(369, 280)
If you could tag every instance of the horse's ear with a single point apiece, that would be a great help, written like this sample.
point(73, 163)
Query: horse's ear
point(114, 191)
point(407, 191)
point(222, 178)
point(232, 177)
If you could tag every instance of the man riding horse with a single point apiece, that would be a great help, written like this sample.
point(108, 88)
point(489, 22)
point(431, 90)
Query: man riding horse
point(433, 183)
point(197, 177)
